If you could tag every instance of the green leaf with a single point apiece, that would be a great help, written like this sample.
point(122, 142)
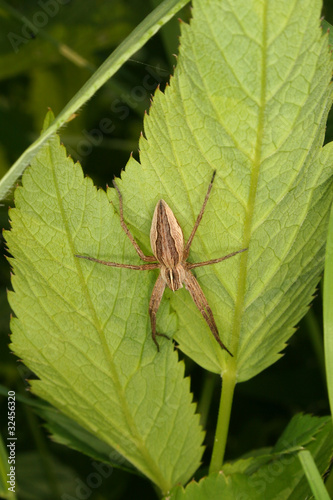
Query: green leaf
point(328, 27)
point(71, 320)
point(67, 432)
point(250, 100)
point(300, 432)
point(273, 476)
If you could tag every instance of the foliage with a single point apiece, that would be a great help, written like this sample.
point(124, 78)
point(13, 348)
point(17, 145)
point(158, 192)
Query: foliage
point(251, 101)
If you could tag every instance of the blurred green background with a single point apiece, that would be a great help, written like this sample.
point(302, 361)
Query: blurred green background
point(45, 68)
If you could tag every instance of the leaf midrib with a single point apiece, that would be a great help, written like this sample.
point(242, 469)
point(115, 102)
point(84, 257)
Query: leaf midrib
point(240, 296)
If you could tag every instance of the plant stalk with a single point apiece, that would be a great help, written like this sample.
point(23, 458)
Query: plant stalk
point(222, 426)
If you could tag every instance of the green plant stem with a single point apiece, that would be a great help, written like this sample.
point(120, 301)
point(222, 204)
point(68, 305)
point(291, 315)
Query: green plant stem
point(221, 433)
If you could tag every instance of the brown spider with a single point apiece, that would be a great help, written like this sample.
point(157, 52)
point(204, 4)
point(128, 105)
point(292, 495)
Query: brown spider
point(170, 256)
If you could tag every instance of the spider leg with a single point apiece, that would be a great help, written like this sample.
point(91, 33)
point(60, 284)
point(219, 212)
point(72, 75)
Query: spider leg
point(154, 304)
point(146, 258)
point(143, 267)
point(213, 261)
point(201, 302)
point(196, 225)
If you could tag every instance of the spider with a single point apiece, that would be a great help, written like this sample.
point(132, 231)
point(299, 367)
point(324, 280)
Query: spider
point(170, 256)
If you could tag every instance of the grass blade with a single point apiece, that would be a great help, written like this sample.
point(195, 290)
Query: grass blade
point(313, 476)
point(142, 33)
